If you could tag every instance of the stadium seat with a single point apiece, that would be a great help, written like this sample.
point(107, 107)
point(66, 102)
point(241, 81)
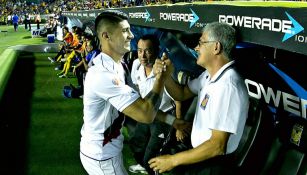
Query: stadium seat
point(257, 137)
point(288, 153)
point(253, 149)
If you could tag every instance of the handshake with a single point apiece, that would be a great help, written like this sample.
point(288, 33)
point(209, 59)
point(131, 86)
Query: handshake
point(163, 67)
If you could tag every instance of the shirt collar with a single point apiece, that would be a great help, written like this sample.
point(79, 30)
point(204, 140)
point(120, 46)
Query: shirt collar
point(142, 69)
point(106, 61)
point(220, 72)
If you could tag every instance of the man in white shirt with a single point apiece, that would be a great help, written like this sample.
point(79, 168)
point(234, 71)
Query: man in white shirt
point(106, 95)
point(222, 106)
point(148, 139)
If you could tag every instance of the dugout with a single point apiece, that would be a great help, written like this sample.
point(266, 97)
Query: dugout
point(272, 56)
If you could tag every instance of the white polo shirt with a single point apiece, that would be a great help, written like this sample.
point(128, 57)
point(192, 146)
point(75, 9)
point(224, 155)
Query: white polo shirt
point(222, 105)
point(105, 93)
point(145, 84)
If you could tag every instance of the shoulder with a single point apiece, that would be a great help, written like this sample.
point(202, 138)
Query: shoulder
point(136, 64)
point(232, 76)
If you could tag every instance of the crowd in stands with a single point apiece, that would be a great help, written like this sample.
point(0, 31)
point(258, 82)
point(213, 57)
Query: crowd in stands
point(26, 9)
point(28, 13)
point(45, 7)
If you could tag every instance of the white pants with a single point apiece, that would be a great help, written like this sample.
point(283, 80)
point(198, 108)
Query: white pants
point(113, 166)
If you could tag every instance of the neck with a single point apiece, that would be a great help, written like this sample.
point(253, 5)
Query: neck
point(116, 57)
point(147, 70)
point(216, 66)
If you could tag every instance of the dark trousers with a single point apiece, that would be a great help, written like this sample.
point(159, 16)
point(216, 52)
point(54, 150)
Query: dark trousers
point(147, 141)
point(60, 53)
point(27, 22)
point(15, 26)
point(219, 165)
point(80, 74)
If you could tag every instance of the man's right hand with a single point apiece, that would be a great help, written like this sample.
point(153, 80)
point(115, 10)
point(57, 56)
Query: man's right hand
point(163, 66)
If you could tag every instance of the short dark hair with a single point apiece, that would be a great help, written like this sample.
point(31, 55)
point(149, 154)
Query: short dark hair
point(88, 36)
point(74, 27)
point(65, 28)
point(154, 40)
point(112, 17)
point(93, 44)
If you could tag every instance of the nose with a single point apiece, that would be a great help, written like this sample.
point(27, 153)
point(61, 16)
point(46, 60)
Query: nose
point(131, 36)
point(142, 54)
point(196, 48)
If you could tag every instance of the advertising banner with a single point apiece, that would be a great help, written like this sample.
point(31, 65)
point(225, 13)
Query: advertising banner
point(277, 27)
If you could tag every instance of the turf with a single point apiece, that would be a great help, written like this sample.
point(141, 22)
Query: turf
point(12, 38)
point(55, 123)
point(39, 128)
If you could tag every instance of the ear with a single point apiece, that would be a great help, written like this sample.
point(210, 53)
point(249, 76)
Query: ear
point(218, 48)
point(105, 36)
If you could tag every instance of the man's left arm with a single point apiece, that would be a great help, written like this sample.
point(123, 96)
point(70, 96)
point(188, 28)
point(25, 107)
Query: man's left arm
point(179, 124)
point(180, 135)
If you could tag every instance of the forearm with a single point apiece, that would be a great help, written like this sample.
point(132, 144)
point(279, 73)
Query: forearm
point(174, 89)
point(178, 92)
point(154, 97)
point(85, 64)
point(178, 109)
point(152, 103)
point(203, 152)
point(145, 110)
point(79, 64)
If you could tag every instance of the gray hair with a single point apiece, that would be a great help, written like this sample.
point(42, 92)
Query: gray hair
point(223, 33)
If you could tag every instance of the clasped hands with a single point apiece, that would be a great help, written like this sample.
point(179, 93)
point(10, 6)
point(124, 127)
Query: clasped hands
point(163, 67)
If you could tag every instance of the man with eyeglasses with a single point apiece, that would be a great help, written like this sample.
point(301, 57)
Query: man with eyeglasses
point(222, 106)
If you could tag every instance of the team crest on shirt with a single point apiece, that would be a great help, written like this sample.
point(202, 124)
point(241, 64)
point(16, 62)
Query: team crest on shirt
point(204, 102)
point(116, 81)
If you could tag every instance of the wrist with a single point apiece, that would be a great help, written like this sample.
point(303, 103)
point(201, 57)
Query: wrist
point(170, 119)
point(174, 160)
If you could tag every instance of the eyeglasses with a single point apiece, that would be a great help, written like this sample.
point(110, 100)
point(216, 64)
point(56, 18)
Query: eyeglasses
point(204, 42)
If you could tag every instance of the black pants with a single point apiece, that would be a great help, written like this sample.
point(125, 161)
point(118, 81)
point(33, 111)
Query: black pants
point(80, 74)
point(15, 26)
point(27, 22)
point(60, 53)
point(147, 141)
point(220, 165)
